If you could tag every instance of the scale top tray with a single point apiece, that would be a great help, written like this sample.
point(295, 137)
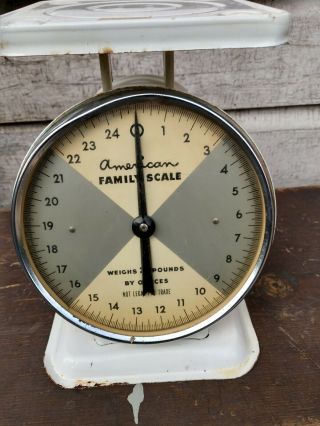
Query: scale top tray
point(59, 27)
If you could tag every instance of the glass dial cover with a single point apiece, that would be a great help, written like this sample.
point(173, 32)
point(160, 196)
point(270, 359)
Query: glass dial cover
point(206, 190)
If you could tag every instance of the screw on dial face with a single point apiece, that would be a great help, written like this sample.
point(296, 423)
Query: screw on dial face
point(149, 193)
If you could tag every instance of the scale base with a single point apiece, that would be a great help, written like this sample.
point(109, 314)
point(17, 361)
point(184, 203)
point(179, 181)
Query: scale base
point(225, 350)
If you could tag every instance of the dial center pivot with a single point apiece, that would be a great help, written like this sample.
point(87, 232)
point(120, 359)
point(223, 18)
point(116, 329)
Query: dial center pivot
point(143, 226)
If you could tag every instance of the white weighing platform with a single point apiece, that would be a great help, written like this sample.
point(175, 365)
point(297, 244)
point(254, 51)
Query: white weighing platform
point(59, 27)
point(225, 350)
point(229, 348)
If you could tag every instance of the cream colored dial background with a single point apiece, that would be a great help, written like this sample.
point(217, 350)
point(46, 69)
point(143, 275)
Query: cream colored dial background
point(175, 145)
point(156, 148)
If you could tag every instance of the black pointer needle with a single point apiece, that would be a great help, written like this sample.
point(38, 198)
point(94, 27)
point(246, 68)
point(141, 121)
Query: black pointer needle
point(143, 226)
point(142, 202)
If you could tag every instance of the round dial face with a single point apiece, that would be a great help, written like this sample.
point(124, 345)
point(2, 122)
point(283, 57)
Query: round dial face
point(144, 215)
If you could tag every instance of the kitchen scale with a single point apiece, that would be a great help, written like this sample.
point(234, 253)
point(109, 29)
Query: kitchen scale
point(143, 215)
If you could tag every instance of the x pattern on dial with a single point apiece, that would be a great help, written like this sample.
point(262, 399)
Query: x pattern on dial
point(101, 211)
point(117, 152)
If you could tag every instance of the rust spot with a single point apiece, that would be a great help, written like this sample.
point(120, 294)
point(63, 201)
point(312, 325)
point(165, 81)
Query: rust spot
point(83, 384)
point(274, 286)
point(105, 50)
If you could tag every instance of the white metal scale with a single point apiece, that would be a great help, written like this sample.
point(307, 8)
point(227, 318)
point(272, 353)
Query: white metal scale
point(143, 215)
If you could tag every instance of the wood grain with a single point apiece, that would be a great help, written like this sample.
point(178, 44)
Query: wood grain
point(289, 139)
point(282, 389)
point(39, 88)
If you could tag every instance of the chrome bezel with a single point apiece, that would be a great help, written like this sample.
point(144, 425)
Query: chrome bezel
point(106, 102)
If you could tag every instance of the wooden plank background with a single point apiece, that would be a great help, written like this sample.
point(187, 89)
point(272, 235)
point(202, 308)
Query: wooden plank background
point(39, 88)
point(274, 92)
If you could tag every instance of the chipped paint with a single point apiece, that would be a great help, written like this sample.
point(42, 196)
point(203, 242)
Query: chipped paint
point(80, 384)
point(135, 398)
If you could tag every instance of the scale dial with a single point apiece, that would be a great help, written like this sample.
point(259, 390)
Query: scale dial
point(143, 215)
